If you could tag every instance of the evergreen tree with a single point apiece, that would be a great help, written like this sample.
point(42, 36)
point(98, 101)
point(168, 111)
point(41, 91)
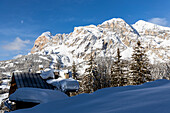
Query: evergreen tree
point(74, 71)
point(90, 80)
point(87, 84)
point(117, 72)
point(139, 66)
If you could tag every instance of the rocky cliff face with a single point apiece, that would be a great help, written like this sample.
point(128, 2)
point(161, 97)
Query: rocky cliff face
point(41, 41)
point(104, 39)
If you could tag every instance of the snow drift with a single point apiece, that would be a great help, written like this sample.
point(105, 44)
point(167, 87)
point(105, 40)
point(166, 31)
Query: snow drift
point(37, 95)
point(152, 97)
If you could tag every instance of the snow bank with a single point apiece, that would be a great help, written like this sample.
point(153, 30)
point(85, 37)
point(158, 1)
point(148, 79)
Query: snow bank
point(153, 97)
point(126, 54)
point(37, 95)
point(3, 96)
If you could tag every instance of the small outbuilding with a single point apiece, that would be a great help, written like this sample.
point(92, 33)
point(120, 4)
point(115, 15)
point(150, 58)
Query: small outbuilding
point(27, 80)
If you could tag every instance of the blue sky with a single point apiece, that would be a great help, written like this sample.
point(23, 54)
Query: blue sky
point(22, 21)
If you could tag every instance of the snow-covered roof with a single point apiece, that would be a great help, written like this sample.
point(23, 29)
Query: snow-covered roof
point(65, 84)
point(47, 74)
point(37, 95)
point(30, 80)
point(41, 66)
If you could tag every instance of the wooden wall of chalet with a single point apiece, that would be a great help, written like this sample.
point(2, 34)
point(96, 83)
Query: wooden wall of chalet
point(66, 75)
point(13, 86)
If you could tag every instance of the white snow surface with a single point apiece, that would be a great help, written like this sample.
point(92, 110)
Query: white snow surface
point(112, 20)
point(18, 56)
point(152, 97)
point(47, 35)
point(3, 96)
point(47, 74)
point(64, 84)
point(126, 54)
point(5, 84)
point(142, 25)
point(37, 95)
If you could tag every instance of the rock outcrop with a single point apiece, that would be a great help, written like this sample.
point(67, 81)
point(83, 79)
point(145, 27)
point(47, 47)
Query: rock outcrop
point(41, 41)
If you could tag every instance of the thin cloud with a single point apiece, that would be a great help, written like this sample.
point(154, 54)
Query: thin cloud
point(159, 21)
point(17, 44)
point(18, 32)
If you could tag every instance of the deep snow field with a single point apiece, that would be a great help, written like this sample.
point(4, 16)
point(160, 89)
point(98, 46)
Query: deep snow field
point(152, 97)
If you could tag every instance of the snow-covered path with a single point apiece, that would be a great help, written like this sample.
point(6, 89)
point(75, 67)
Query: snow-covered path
point(153, 97)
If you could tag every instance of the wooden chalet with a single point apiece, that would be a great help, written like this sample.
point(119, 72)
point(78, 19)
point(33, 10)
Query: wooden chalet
point(26, 80)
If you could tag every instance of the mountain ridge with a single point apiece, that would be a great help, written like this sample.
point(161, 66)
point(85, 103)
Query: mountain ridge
point(105, 38)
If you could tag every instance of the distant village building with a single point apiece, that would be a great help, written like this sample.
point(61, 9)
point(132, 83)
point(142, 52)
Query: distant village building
point(41, 67)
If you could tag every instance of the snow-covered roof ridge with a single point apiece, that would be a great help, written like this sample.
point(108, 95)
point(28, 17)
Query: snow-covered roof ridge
point(144, 25)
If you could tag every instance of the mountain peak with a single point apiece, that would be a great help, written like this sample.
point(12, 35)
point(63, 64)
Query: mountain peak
point(41, 41)
point(113, 20)
point(144, 25)
point(47, 34)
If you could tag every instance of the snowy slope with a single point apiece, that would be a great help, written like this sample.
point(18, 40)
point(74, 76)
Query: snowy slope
point(155, 39)
point(143, 25)
point(153, 97)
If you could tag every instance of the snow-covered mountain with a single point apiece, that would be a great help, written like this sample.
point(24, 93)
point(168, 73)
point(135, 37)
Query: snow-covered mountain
point(104, 39)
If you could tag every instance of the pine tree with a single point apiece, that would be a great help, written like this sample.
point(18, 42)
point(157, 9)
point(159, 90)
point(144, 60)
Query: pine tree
point(117, 72)
point(90, 80)
point(139, 67)
point(74, 71)
point(87, 85)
